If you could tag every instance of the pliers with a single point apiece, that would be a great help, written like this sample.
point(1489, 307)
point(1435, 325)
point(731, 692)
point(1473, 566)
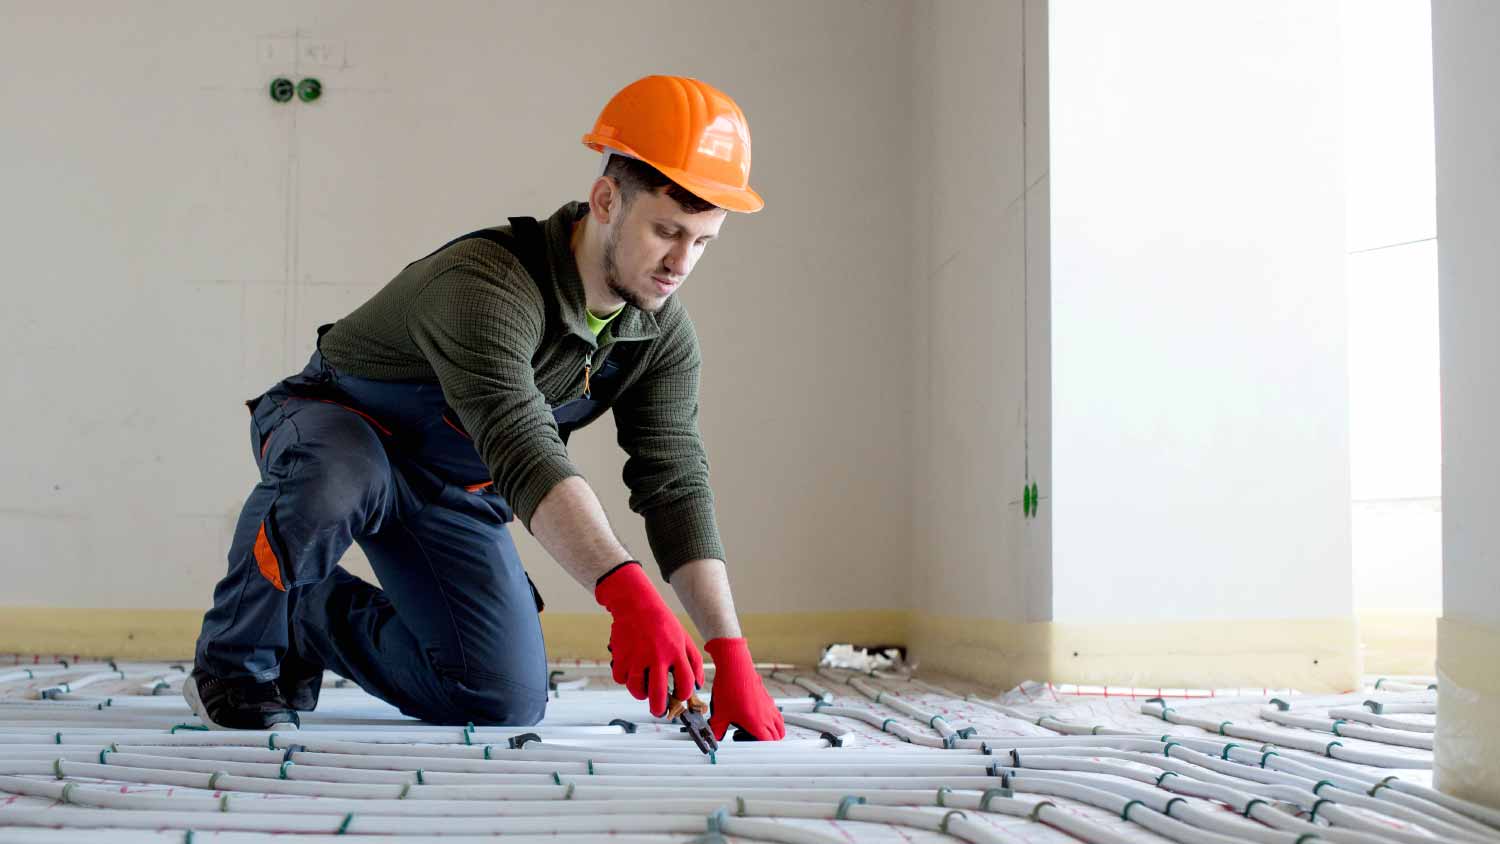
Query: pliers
point(690, 714)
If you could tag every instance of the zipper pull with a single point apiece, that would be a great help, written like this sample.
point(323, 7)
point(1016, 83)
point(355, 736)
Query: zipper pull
point(588, 369)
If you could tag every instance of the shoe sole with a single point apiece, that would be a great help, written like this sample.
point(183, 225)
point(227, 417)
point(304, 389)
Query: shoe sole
point(195, 703)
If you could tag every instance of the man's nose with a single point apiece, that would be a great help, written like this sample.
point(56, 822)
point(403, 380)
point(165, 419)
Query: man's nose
point(679, 261)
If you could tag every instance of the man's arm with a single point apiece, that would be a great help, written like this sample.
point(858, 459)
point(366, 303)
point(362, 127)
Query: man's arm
point(703, 588)
point(571, 525)
point(650, 653)
point(739, 697)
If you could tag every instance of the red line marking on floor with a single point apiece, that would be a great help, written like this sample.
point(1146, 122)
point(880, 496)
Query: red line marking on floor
point(841, 831)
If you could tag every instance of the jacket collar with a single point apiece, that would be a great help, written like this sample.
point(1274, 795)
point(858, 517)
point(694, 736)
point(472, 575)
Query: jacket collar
point(633, 324)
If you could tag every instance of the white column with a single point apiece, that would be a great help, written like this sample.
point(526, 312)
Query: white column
point(1466, 66)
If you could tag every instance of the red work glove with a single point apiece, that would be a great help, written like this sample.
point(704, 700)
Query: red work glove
point(739, 697)
point(646, 640)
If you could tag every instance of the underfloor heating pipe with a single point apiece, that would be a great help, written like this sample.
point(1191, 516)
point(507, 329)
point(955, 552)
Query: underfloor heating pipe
point(1486, 818)
point(1337, 727)
point(1413, 797)
point(312, 762)
point(1262, 824)
point(327, 779)
point(671, 816)
point(1388, 685)
point(598, 799)
point(1365, 716)
point(1270, 825)
point(1245, 796)
point(19, 715)
point(857, 685)
point(184, 773)
point(1133, 811)
point(1471, 816)
point(880, 697)
point(358, 824)
point(1334, 749)
point(815, 690)
point(33, 835)
point(1236, 772)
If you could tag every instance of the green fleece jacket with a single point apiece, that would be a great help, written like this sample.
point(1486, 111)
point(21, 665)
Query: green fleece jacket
point(471, 317)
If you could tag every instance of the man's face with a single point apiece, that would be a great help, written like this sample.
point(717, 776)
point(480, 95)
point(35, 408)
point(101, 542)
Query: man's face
point(649, 253)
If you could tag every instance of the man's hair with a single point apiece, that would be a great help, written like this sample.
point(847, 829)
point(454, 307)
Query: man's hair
point(634, 175)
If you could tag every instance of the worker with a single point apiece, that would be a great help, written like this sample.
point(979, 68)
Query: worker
point(439, 411)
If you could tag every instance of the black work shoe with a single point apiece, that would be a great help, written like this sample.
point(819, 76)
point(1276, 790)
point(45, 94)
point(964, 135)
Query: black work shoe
point(237, 704)
point(300, 682)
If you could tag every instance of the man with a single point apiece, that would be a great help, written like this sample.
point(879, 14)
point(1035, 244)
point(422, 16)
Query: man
point(439, 410)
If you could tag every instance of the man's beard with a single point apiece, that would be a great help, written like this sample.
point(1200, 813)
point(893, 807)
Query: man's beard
point(612, 279)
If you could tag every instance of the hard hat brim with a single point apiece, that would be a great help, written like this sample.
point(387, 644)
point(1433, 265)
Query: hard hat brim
point(744, 200)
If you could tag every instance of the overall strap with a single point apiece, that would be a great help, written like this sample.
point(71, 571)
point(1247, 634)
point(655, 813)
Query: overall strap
point(525, 240)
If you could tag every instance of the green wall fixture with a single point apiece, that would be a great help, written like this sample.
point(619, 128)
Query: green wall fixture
point(1030, 499)
point(281, 89)
point(309, 89)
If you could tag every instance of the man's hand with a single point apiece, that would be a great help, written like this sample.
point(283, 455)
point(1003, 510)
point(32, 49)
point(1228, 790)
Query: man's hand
point(739, 697)
point(646, 641)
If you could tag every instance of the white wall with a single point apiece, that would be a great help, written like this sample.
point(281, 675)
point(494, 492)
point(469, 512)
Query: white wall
point(173, 237)
point(1394, 400)
point(1200, 404)
point(980, 287)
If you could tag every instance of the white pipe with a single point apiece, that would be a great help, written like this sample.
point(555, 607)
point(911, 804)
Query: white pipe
point(26, 674)
point(356, 823)
point(1305, 791)
point(817, 691)
point(1344, 791)
point(886, 725)
point(1243, 802)
point(32, 835)
point(668, 817)
point(1339, 728)
point(1393, 789)
point(1150, 819)
point(1424, 684)
point(1333, 749)
point(199, 774)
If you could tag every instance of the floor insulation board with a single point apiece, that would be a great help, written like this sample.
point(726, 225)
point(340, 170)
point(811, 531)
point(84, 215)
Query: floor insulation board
point(110, 752)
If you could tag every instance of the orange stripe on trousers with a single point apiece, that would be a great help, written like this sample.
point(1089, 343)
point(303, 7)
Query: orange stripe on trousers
point(265, 558)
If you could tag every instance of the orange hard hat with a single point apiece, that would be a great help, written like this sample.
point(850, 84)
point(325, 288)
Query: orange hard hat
point(689, 130)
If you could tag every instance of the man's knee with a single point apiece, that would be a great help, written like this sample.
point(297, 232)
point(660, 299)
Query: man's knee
point(340, 483)
point(493, 701)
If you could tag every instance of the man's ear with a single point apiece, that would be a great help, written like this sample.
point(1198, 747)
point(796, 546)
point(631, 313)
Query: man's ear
point(604, 199)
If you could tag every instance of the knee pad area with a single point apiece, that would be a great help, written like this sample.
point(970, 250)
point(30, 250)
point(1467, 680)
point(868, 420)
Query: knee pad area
point(338, 488)
point(492, 702)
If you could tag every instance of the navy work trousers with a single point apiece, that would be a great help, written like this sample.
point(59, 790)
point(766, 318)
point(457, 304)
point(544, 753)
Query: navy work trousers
point(453, 634)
